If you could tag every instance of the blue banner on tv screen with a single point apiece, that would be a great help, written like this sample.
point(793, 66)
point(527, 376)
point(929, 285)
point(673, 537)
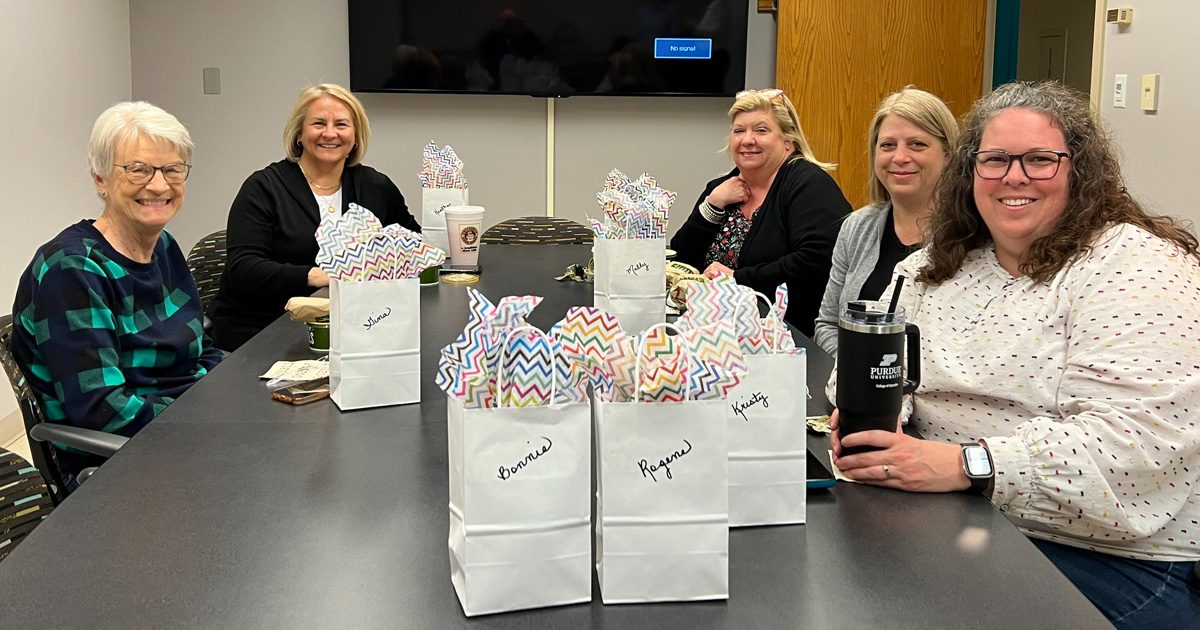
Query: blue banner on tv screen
point(682, 48)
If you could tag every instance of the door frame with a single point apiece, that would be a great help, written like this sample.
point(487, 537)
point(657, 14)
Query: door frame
point(1099, 27)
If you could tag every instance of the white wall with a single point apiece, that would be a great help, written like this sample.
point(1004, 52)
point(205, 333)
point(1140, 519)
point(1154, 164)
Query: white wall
point(1158, 146)
point(268, 50)
point(1076, 17)
point(62, 62)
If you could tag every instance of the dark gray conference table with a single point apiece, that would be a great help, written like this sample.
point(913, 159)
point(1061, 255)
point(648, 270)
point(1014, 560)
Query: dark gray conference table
point(234, 511)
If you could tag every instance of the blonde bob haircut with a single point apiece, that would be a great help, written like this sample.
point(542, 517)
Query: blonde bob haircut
point(785, 116)
point(362, 129)
point(920, 108)
point(126, 121)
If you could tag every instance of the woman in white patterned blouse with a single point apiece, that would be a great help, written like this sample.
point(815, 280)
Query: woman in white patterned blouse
point(1061, 331)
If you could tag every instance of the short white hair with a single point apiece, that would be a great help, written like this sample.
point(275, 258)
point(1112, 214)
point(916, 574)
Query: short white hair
point(125, 121)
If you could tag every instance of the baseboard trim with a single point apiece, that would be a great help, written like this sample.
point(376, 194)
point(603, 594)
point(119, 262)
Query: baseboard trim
point(12, 427)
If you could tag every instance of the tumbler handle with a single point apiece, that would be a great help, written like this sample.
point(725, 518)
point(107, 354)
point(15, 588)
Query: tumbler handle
point(912, 341)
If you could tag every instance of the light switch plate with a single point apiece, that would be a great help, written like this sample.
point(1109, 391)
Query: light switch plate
point(212, 80)
point(1150, 92)
point(1120, 89)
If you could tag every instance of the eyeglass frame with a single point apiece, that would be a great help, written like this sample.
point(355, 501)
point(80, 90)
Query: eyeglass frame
point(125, 167)
point(1019, 158)
point(770, 93)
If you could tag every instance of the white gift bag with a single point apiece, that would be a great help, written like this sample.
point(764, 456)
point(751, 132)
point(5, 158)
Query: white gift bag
point(631, 280)
point(662, 500)
point(520, 512)
point(768, 438)
point(374, 343)
point(434, 202)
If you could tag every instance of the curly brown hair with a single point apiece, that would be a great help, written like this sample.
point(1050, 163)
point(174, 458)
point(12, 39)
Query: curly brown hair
point(1096, 198)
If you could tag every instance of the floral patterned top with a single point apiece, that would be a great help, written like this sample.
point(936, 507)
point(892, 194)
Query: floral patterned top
point(728, 244)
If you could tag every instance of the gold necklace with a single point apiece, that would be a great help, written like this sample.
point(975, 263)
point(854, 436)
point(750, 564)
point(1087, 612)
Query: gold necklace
point(315, 184)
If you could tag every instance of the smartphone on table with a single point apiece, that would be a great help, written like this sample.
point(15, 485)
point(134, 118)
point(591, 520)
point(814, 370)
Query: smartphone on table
point(303, 393)
point(818, 475)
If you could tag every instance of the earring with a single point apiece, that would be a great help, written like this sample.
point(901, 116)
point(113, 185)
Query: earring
point(102, 193)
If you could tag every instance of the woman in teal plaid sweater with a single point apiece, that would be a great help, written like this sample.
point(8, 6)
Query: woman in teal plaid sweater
point(108, 323)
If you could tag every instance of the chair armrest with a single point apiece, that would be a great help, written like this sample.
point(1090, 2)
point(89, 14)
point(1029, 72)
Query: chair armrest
point(86, 440)
point(85, 474)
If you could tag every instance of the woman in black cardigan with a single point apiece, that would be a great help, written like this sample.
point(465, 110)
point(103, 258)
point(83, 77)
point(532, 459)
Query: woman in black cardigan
point(271, 245)
point(775, 217)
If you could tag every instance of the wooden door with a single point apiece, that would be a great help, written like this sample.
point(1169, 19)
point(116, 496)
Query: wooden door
point(836, 59)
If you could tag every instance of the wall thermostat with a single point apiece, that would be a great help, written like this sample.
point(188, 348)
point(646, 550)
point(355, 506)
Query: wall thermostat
point(1123, 15)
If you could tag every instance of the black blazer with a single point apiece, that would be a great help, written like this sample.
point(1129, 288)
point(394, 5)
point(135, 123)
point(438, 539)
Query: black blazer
point(271, 243)
point(791, 239)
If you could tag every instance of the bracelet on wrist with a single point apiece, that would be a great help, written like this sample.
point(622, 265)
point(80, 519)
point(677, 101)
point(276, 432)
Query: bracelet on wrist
point(711, 213)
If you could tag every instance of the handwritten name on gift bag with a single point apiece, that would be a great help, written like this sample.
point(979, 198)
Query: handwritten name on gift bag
point(520, 513)
point(630, 280)
point(662, 506)
point(768, 439)
point(374, 342)
point(434, 202)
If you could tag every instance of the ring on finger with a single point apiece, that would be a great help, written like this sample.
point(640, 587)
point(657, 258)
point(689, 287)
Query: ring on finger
point(887, 472)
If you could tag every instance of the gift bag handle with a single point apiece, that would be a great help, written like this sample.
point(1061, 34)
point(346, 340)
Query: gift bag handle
point(504, 346)
point(771, 310)
point(637, 362)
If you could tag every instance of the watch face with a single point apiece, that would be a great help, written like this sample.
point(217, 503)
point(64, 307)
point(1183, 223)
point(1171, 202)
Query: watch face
point(977, 462)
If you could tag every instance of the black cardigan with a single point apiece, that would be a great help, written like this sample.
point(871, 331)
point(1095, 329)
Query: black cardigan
point(791, 239)
point(271, 243)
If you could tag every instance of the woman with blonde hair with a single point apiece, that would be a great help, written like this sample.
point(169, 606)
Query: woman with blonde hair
point(271, 246)
point(911, 137)
point(774, 217)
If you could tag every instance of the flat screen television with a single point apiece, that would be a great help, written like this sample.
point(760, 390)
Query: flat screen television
point(549, 48)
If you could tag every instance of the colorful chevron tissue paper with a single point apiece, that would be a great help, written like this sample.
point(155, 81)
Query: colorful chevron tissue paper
point(632, 208)
point(499, 360)
point(441, 168)
point(357, 247)
point(724, 299)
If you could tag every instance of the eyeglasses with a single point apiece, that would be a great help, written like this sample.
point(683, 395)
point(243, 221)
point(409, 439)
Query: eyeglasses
point(770, 93)
point(138, 173)
point(1041, 164)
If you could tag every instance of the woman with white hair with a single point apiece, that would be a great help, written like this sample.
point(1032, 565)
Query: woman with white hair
point(107, 320)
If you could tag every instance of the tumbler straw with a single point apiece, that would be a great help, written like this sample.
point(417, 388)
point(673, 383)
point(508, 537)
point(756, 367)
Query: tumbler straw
point(896, 294)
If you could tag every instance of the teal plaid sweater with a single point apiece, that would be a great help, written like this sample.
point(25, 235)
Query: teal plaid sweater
point(107, 343)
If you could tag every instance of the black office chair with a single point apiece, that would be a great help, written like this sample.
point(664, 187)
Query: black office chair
point(24, 500)
point(42, 433)
point(207, 262)
point(537, 230)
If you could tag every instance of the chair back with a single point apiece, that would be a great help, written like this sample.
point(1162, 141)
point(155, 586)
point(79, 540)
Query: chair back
point(24, 500)
point(207, 263)
point(537, 230)
point(44, 454)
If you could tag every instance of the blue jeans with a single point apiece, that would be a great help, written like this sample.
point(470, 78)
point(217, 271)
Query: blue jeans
point(1131, 593)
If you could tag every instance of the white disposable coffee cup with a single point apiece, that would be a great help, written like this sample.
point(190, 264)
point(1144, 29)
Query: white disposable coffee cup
point(464, 227)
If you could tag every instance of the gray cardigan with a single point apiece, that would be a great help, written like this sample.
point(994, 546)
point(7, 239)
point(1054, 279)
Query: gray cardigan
point(854, 258)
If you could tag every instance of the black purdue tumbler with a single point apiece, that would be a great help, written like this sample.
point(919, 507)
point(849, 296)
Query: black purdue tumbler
point(870, 373)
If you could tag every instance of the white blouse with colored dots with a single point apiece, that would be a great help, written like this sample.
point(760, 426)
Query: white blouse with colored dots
point(1085, 388)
